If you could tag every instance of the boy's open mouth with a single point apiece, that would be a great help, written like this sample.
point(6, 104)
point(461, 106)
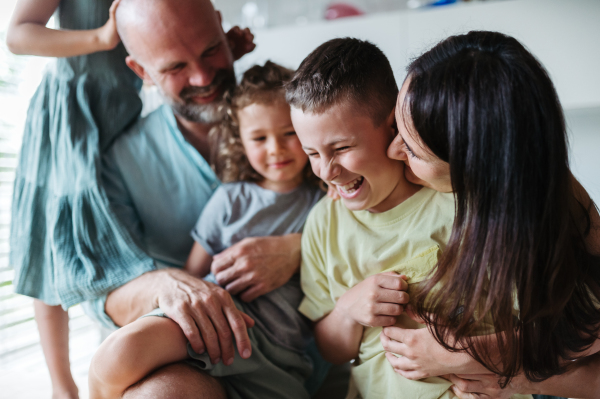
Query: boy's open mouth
point(352, 187)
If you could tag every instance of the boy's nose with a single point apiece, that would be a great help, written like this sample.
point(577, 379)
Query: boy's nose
point(329, 170)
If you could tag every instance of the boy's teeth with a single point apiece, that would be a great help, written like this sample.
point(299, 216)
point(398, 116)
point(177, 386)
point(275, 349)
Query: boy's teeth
point(350, 187)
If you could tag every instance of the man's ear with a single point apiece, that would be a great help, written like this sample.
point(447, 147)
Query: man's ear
point(139, 70)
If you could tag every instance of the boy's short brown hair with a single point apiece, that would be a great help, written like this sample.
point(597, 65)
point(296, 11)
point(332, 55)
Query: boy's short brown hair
point(345, 70)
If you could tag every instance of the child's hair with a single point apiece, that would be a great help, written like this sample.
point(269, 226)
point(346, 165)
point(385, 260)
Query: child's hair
point(345, 70)
point(259, 85)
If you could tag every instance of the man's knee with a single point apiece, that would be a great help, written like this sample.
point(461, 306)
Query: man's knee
point(177, 381)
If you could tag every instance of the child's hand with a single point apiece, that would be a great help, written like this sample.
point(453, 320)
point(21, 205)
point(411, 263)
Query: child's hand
point(376, 301)
point(333, 193)
point(241, 41)
point(107, 34)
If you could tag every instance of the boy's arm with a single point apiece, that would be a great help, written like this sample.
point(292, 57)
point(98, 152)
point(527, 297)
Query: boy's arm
point(338, 337)
point(198, 262)
point(374, 302)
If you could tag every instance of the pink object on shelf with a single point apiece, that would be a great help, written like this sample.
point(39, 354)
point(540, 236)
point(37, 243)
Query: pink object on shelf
point(341, 10)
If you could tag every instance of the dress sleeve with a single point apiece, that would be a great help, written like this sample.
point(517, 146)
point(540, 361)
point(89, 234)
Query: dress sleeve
point(317, 301)
point(208, 230)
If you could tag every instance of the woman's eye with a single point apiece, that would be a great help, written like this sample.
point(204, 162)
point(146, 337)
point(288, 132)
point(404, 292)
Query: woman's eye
point(409, 151)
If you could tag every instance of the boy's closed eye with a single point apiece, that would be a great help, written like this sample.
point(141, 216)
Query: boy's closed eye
point(259, 138)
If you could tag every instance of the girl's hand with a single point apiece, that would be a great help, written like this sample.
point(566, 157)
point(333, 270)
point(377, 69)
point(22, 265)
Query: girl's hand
point(422, 355)
point(241, 41)
point(107, 34)
point(375, 301)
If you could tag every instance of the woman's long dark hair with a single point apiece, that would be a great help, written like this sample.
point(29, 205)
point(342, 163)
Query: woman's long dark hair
point(517, 253)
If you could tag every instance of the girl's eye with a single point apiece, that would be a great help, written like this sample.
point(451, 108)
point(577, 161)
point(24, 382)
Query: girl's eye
point(292, 133)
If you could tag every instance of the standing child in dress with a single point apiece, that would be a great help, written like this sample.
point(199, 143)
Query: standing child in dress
point(65, 245)
point(269, 190)
point(86, 98)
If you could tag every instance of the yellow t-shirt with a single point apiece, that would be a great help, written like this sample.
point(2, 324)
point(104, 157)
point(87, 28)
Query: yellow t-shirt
point(340, 248)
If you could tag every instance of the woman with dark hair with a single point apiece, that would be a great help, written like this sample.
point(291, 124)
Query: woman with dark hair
point(479, 116)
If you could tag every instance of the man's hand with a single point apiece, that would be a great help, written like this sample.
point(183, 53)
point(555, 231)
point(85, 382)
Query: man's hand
point(422, 355)
point(241, 42)
point(206, 314)
point(375, 301)
point(257, 265)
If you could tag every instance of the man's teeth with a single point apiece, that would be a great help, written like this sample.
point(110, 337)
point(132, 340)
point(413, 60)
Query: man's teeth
point(352, 186)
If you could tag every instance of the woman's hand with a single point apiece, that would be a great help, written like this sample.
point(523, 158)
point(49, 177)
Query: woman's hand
point(241, 41)
point(422, 355)
point(107, 34)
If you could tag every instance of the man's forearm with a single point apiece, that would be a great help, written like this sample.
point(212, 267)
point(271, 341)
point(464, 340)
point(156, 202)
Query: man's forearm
point(135, 298)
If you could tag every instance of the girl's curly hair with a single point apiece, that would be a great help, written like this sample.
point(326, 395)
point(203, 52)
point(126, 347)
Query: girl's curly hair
point(262, 85)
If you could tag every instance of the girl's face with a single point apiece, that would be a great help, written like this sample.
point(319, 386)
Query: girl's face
point(422, 166)
point(272, 146)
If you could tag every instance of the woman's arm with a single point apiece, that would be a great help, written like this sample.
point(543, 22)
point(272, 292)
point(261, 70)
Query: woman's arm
point(28, 34)
point(581, 381)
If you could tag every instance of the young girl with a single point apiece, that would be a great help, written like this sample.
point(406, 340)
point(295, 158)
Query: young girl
point(269, 190)
point(65, 246)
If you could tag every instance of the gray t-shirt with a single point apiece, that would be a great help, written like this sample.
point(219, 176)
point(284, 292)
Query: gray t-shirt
point(244, 209)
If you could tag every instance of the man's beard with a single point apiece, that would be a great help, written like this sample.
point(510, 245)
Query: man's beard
point(212, 112)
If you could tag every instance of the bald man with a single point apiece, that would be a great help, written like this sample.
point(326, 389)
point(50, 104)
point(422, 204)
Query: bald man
point(158, 181)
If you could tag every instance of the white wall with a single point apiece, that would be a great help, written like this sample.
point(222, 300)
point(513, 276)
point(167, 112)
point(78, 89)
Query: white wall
point(564, 35)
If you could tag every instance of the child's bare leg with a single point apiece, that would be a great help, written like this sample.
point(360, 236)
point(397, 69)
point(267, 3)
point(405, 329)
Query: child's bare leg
point(131, 353)
point(53, 325)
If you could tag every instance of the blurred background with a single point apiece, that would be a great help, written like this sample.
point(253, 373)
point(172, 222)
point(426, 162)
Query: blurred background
point(564, 35)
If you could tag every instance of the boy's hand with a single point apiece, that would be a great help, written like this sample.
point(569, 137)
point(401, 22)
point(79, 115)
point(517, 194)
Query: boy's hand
point(241, 41)
point(376, 301)
point(107, 34)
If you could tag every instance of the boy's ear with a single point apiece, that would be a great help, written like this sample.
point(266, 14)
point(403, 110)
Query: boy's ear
point(391, 122)
point(139, 70)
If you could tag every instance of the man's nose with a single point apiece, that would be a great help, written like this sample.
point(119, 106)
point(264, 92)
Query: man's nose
point(201, 74)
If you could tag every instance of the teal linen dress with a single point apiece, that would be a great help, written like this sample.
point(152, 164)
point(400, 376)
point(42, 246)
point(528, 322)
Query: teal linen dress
point(66, 246)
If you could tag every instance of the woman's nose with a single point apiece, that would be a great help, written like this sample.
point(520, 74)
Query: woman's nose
point(395, 150)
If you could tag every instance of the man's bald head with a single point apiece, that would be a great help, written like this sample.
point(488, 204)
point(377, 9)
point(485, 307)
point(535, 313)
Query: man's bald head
point(180, 46)
point(137, 19)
